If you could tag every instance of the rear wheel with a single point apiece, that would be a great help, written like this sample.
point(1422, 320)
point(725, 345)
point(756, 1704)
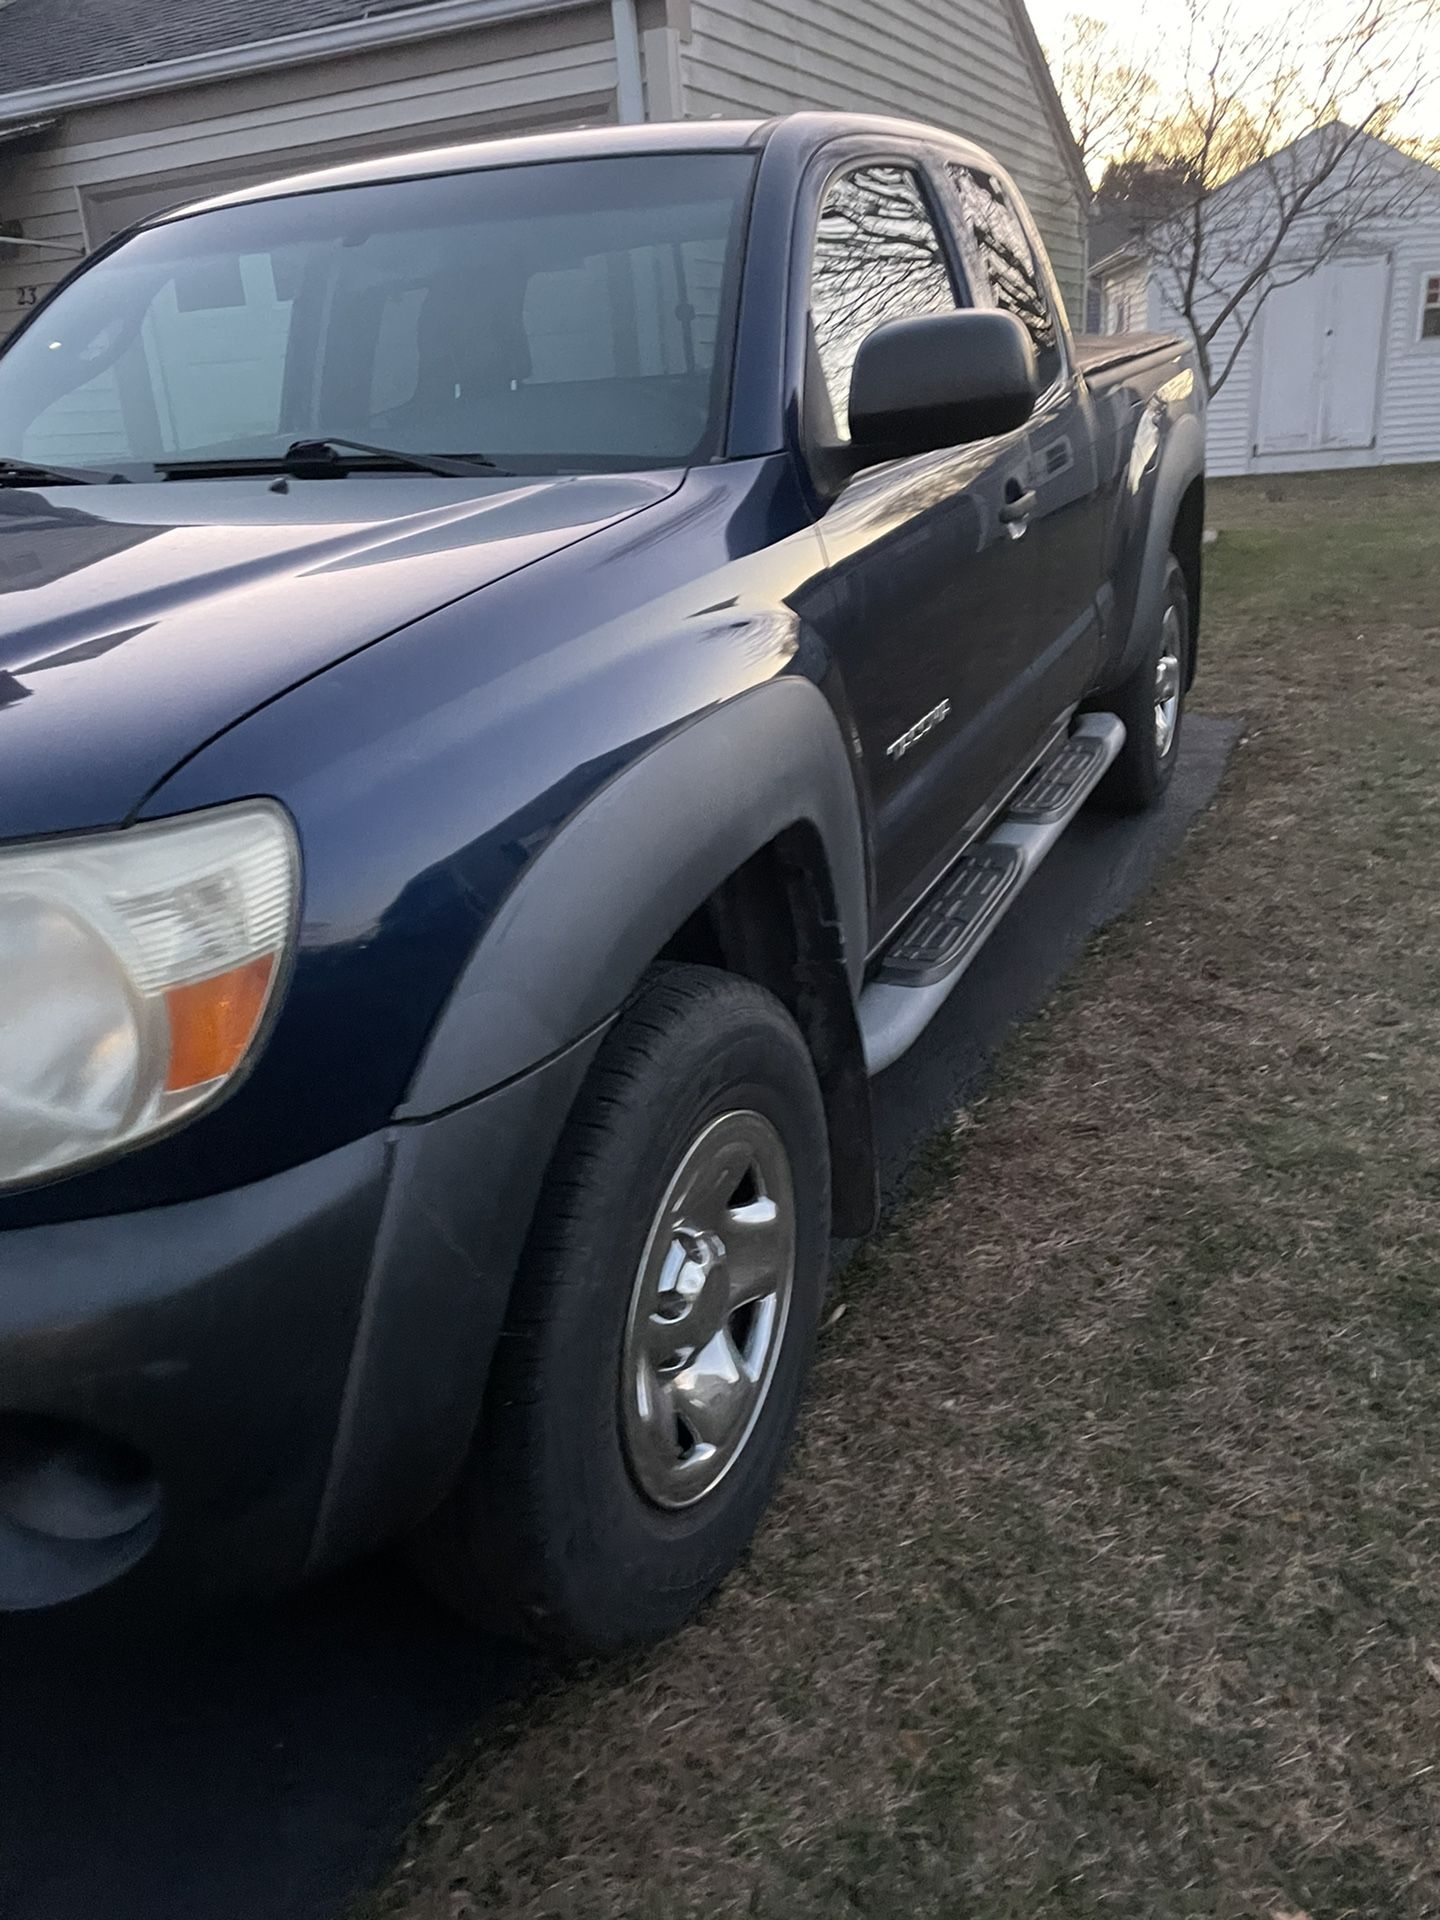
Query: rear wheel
point(1152, 703)
point(647, 1383)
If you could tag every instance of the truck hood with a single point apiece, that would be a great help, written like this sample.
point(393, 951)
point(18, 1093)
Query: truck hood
point(137, 622)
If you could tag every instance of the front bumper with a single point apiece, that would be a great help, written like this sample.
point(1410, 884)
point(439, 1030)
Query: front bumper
point(233, 1391)
point(169, 1380)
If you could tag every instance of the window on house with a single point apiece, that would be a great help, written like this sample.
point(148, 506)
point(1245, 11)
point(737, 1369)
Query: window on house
point(1430, 308)
point(1008, 262)
point(878, 257)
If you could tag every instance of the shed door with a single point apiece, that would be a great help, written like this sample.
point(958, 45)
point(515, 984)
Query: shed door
point(1354, 341)
point(1320, 359)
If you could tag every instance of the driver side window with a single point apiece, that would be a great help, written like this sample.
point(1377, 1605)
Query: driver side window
point(878, 257)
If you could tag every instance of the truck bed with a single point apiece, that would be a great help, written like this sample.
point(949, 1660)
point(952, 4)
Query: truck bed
point(1097, 354)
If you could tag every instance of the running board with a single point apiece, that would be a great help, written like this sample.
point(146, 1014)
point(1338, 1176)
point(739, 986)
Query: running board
point(936, 945)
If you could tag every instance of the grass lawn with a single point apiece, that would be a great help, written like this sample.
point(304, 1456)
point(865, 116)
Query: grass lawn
point(1107, 1578)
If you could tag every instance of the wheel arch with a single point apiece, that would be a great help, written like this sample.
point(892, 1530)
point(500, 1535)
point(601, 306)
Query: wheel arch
point(741, 830)
point(775, 921)
point(1187, 543)
point(1173, 523)
point(736, 840)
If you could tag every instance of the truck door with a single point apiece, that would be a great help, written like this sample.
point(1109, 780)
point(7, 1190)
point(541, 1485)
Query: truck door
point(925, 601)
point(1063, 533)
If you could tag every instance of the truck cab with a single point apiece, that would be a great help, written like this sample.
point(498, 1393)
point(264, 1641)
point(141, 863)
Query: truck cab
point(530, 672)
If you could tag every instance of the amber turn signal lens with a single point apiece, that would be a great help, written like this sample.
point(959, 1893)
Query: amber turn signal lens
point(212, 1022)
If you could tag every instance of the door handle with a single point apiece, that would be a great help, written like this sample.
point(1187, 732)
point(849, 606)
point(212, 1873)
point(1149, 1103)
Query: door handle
point(1017, 509)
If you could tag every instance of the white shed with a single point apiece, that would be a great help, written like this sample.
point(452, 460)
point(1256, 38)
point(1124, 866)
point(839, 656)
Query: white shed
point(1342, 366)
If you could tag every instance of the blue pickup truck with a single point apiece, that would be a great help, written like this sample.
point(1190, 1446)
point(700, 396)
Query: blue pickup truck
point(527, 673)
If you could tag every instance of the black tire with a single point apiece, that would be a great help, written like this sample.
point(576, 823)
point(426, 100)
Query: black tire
point(1140, 773)
point(548, 1535)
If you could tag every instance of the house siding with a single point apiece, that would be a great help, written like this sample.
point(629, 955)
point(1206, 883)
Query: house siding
point(1137, 287)
point(1125, 299)
point(957, 63)
point(112, 164)
point(1410, 397)
point(1230, 413)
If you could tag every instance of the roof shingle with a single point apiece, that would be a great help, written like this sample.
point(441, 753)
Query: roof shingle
point(43, 42)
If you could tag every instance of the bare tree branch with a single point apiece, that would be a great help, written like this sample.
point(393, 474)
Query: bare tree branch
point(1271, 156)
point(1108, 99)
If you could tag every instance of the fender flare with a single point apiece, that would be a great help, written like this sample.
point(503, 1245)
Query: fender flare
point(1182, 463)
point(576, 932)
point(526, 1019)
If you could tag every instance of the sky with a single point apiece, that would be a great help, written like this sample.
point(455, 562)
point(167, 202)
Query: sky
point(1136, 23)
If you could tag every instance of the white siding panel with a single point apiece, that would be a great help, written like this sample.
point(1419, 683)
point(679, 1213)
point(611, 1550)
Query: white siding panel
point(414, 105)
point(1229, 420)
point(958, 63)
point(45, 212)
point(1125, 298)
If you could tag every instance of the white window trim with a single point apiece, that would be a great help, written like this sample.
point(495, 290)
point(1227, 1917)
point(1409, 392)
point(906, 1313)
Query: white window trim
point(1427, 274)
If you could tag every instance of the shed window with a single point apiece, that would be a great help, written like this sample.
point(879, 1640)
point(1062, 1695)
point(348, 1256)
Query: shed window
point(1430, 308)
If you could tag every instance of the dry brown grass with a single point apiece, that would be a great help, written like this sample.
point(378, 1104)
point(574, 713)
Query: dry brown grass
point(1107, 1581)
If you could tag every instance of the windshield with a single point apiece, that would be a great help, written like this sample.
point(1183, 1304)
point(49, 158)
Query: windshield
point(565, 316)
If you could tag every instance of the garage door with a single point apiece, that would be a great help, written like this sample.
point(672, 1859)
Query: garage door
point(1321, 349)
point(110, 209)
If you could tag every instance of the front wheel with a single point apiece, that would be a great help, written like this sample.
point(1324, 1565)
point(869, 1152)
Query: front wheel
point(647, 1382)
point(1152, 705)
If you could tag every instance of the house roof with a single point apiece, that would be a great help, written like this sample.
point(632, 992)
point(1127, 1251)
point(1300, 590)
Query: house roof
point(1130, 255)
point(42, 43)
point(1332, 130)
point(1050, 98)
point(1116, 239)
point(1112, 230)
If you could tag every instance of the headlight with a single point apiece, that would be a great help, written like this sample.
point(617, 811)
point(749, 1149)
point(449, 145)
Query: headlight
point(135, 971)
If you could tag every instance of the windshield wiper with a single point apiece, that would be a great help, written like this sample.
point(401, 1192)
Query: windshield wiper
point(35, 473)
point(324, 460)
point(450, 465)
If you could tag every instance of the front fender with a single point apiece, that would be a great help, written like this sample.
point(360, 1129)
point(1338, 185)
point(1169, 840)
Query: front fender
point(526, 1019)
point(589, 914)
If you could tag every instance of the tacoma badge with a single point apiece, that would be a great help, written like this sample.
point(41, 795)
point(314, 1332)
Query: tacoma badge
point(897, 749)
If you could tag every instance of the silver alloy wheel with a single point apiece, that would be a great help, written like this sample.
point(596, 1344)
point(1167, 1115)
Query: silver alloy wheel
point(708, 1311)
point(1167, 682)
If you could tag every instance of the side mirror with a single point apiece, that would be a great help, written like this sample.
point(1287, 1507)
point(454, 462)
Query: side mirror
point(940, 381)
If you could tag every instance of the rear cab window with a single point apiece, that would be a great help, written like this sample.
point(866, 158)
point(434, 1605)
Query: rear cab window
point(1003, 263)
